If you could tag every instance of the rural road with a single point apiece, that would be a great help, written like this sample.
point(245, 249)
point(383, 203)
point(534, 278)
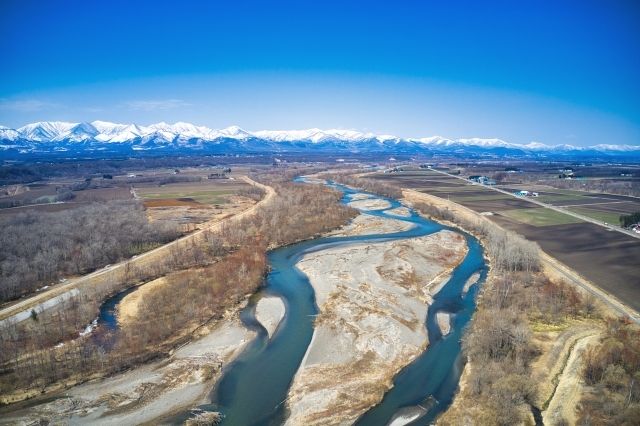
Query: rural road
point(548, 206)
point(14, 311)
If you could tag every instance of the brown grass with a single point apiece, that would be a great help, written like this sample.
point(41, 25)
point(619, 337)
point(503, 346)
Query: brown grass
point(174, 202)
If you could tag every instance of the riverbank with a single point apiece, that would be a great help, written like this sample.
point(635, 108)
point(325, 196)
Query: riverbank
point(373, 299)
point(149, 391)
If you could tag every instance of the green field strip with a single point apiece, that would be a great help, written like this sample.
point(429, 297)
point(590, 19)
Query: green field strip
point(608, 217)
point(540, 217)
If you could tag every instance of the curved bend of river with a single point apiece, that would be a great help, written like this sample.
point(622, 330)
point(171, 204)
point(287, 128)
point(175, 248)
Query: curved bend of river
point(253, 388)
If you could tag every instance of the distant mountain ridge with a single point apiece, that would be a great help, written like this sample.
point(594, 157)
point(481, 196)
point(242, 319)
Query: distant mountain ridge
point(106, 137)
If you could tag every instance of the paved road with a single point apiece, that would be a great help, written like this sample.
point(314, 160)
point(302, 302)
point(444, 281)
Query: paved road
point(13, 311)
point(548, 206)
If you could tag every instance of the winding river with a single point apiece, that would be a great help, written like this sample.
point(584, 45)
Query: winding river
point(254, 387)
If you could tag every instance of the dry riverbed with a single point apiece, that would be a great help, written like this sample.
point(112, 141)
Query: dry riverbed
point(269, 312)
point(373, 299)
point(368, 202)
point(368, 225)
point(400, 211)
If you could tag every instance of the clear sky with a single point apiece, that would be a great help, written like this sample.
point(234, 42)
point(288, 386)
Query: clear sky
point(549, 71)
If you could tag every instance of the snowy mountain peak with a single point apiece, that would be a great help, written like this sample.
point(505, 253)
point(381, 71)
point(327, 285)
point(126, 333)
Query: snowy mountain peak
point(235, 132)
point(103, 135)
point(45, 130)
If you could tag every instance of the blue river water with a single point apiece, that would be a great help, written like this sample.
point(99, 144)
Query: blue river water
point(254, 387)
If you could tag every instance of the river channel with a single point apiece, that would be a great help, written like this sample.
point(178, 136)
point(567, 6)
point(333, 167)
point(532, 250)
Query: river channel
point(253, 388)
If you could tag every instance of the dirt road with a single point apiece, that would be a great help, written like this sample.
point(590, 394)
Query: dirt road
point(21, 310)
point(563, 403)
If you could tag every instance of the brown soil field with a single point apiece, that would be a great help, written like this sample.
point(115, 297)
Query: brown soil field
point(435, 183)
point(418, 177)
point(174, 202)
point(615, 207)
point(529, 188)
point(583, 201)
point(608, 259)
point(104, 194)
point(32, 193)
point(471, 196)
point(41, 208)
point(592, 200)
point(465, 193)
point(613, 197)
point(497, 205)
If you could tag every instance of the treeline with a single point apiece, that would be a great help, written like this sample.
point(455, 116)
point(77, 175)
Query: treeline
point(252, 192)
point(204, 279)
point(628, 220)
point(298, 212)
point(193, 297)
point(62, 194)
point(612, 368)
point(509, 252)
point(37, 249)
point(607, 186)
point(369, 185)
point(26, 172)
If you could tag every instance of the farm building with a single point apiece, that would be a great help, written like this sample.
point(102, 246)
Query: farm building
point(484, 180)
point(526, 194)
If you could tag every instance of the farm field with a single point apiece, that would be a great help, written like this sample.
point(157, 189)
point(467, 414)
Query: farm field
point(103, 194)
point(606, 258)
point(539, 217)
point(40, 208)
point(617, 207)
point(188, 204)
point(15, 195)
point(610, 217)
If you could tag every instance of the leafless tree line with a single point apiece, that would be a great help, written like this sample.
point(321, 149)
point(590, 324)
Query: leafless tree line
point(36, 249)
point(253, 192)
point(607, 186)
point(612, 369)
point(369, 185)
point(508, 251)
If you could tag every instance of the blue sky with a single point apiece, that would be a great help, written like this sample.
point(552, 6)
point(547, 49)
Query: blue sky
point(546, 71)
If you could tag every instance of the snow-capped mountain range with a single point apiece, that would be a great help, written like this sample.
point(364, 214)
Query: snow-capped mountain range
point(105, 137)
